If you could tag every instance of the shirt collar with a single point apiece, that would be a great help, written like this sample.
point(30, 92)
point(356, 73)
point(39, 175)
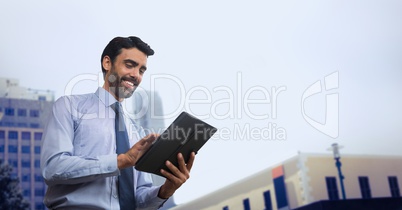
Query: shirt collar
point(104, 96)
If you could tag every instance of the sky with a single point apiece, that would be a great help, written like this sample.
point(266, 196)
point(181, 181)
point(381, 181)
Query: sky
point(275, 77)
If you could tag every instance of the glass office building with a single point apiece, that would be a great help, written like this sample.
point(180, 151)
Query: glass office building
point(23, 113)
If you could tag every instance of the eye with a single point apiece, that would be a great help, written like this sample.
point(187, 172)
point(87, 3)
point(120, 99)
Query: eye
point(129, 66)
point(142, 71)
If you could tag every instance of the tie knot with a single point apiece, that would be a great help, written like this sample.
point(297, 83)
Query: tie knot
point(116, 107)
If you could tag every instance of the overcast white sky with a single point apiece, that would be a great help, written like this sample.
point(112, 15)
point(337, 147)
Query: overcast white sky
point(224, 53)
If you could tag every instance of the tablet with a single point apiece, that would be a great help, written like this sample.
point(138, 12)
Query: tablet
point(185, 135)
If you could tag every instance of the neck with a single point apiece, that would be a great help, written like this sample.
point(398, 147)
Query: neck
point(107, 88)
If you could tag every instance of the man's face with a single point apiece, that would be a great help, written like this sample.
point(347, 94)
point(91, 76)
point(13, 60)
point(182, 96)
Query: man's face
point(125, 73)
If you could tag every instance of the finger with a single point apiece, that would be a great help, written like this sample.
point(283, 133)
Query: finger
point(176, 172)
point(141, 146)
point(182, 163)
point(172, 178)
point(190, 162)
point(146, 146)
point(151, 137)
point(147, 141)
point(173, 169)
point(175, 175)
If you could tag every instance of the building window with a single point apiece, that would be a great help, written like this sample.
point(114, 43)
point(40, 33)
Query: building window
point(38, 136)
point(13, 135)
point(14, 163)
point(22, 112)
point(9, 111)
point(365, 187)
point(42, 98)
point(26, 149)
point(26, 135)
point(26, 178)
point(27, 193)
point(267, 200)
point(38, 178)
point(39, 205)
point(12, 149)
point(34, 113)
point(37, 150)
point(9, 124)
point(394, 187)
point(34, 125)
point(246, 204)
point(22, 125)
point(332, 188)
point(26, 164)
point(2, 134)
point(37, 163)
point(39, 192)
point(280, 192)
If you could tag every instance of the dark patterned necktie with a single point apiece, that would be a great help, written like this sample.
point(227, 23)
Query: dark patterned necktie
point(125, 180)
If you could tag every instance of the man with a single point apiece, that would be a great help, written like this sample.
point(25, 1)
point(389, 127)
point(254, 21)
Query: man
point(79, 161)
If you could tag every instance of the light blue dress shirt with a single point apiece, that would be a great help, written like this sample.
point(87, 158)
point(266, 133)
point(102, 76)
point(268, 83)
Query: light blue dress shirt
point(79, 160)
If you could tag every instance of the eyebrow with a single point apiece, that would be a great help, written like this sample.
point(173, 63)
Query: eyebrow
point(132, 62)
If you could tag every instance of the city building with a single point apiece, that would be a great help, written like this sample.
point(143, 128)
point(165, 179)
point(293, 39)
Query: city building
point(23, 114)
point(306, 179)
point(10, 88)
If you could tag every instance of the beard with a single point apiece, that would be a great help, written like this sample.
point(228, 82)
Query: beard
point(117, 87)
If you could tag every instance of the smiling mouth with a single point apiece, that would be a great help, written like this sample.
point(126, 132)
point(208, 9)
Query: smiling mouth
point(128, 84)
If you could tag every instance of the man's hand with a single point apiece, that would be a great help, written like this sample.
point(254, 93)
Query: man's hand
point(178, 176)
point(131, 157)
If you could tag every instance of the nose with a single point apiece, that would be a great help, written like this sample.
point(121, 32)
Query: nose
point(135, 73)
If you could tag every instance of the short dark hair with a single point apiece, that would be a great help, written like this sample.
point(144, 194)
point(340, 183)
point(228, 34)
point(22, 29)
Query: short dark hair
point(113, 49)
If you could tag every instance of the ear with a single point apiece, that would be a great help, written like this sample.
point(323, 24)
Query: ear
point(106, 63)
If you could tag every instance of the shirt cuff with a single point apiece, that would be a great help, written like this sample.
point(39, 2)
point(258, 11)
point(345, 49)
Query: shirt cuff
point(108, 164)
point(155, 201)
